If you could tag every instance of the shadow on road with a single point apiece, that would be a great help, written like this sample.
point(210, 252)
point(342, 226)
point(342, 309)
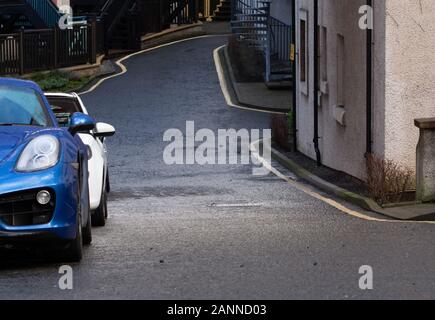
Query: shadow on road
point(13, 258)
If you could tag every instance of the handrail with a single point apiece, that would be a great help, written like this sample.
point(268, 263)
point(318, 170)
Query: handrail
point(263, 31)
point(113, 13)
point(245, 8)
point(246, 5)
point(104, 7)
point(280, 38)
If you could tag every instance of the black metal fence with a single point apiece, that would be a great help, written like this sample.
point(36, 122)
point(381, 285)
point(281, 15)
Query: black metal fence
point(35, 50)
point(178, 12)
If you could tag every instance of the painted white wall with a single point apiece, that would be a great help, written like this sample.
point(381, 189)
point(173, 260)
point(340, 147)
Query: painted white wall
point(342, 147)
point(304, 95)
point(409, 74)
point(403, 82)
point(378, 110)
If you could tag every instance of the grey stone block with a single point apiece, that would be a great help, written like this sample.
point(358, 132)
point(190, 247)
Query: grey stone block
point(426, 160)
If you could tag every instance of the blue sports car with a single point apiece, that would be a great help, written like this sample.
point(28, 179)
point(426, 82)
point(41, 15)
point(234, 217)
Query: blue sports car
point(44, 191)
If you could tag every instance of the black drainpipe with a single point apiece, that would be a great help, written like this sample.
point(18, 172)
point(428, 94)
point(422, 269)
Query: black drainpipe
point(294, 111)
point(369, 93)
point(316, 83)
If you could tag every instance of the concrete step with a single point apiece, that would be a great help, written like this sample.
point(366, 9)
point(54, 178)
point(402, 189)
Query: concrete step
point(249, 37)
point(221, 18)
point(255, 42)
point(250, 28)
point(256, 35)
point(250, 10)
point(281, 77)
point(279, 82)
point(281, 85)
point(261, 21)
point(259, 15)
point(281, 67)
point(248, 25)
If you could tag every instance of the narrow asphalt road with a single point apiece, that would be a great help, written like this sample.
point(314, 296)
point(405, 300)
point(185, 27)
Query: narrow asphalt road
point(216, 231)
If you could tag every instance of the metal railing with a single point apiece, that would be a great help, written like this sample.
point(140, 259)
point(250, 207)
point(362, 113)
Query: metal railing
point(281, 39)
point(139, 17)
point(36, 50)
point(178, 12)
point(252, 23)
point(247, 7)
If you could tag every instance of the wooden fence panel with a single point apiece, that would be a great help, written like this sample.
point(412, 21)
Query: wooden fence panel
point(9, 54)
point(74, 46)
point(37, 50)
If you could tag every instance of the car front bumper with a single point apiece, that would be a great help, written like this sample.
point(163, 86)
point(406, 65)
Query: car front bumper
point(61, 182)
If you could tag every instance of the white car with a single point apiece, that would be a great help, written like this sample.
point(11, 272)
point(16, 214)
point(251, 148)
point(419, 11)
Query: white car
point(63, 106)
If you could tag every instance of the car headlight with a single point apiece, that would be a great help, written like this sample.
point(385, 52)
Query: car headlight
point(41, 153)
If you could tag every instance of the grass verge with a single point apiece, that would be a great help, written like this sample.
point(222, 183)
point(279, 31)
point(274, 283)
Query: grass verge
point(55, 81)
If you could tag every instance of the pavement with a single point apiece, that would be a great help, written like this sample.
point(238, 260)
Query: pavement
point(172, 34)
point(254, 95)
point(215, 231)
point(216, 28)
point(405, 211)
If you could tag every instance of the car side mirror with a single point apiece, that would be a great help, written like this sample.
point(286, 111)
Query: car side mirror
point(103, 130)
point(81, 123)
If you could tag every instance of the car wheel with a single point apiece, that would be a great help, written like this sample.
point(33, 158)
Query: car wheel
point(74, 252)
point(108, 182)
point(100, 215)
point(87, 232)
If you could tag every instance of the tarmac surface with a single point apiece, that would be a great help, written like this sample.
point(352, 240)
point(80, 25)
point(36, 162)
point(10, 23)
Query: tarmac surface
point(215, 231)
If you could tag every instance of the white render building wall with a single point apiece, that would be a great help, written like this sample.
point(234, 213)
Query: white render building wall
point(409, 75)
point(403, 81)
point(342, 50)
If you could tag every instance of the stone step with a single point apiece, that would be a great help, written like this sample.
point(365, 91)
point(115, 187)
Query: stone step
point(279, 85)
point(244, 15)
point(250, 28)
point(221, 18)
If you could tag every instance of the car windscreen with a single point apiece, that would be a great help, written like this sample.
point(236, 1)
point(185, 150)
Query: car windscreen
point(63, 108)
point(22, 106)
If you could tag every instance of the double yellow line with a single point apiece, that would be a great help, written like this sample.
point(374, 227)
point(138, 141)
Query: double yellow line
point(304, 188)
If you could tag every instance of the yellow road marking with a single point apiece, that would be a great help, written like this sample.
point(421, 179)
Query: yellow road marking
point(225, 89)
point(124, 68)
point(266, 164)
point(316, 195)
